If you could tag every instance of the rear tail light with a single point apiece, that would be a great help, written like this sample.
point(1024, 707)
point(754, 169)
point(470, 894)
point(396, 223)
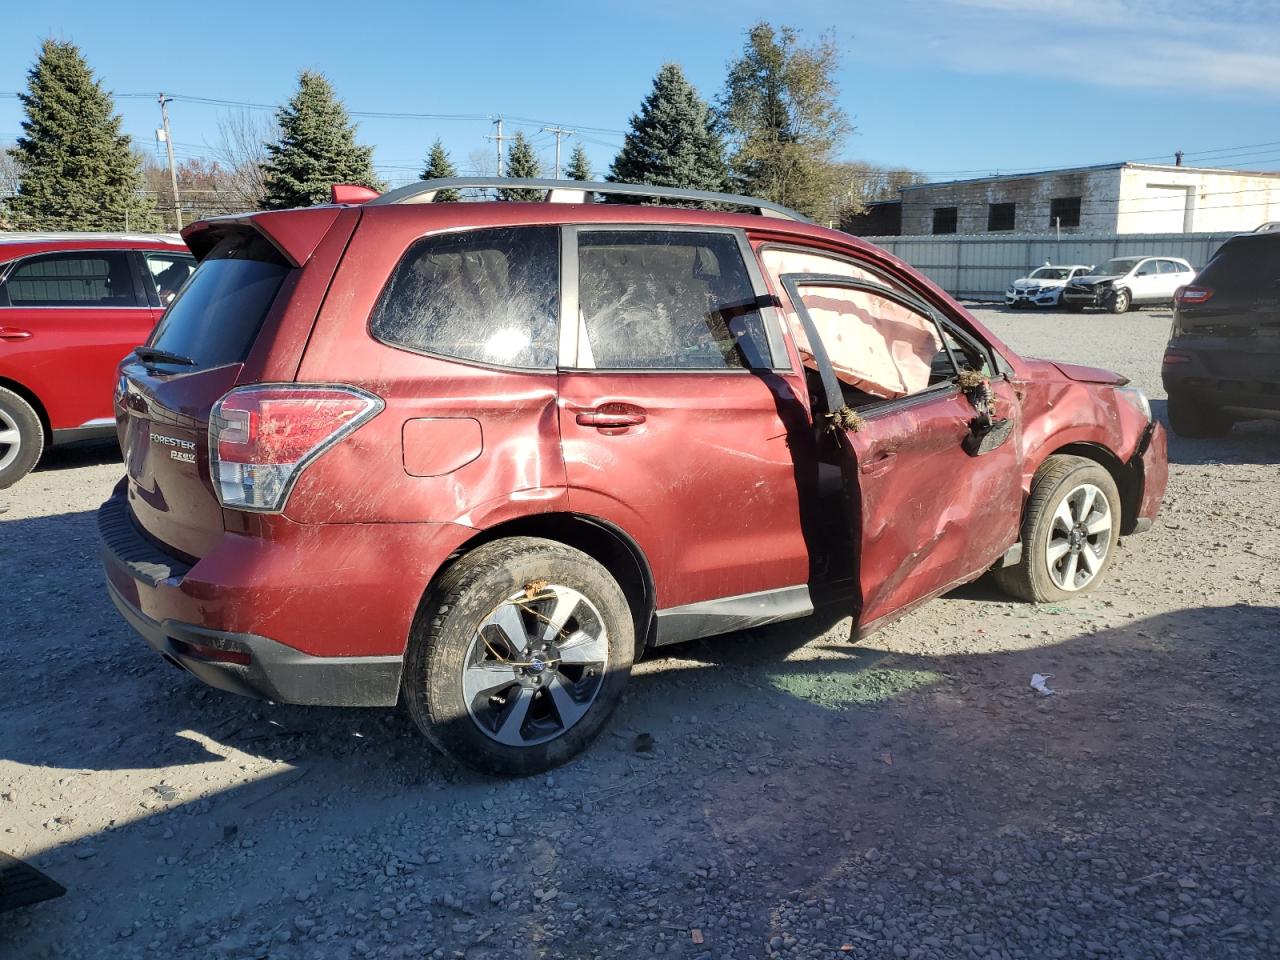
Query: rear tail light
point(1173, 356)
point(261, 438)
point(1192, 295)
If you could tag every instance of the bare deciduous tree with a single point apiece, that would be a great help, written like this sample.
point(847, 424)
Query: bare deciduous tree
point(241, 151)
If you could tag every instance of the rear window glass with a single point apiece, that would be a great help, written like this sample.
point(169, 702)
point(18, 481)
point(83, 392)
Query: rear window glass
point(218, 314)
point(490, 296)
point(1248, 267)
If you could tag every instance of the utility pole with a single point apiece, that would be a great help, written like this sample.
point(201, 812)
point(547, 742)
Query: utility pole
point(559, 132)
point(497, 139)
point(173, 171)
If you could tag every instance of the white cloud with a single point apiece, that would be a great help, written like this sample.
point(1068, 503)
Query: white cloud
point(1211, 46)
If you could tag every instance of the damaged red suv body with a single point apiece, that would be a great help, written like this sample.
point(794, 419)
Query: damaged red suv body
point(480, 456)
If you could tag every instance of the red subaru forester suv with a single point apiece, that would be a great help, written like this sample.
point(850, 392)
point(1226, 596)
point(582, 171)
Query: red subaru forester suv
point(71, 305)
point(479, 456)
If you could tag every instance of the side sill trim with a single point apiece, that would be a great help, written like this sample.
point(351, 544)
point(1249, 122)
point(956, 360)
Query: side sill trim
point(707, 618)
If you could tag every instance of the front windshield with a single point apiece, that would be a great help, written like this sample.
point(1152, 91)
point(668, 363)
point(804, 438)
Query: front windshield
point(1049, 273)
point(1118, 266)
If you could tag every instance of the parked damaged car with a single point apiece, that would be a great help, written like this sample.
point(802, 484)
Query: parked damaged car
point(1222, 364)
point(479, 457)
point(1125, 282)
point(1043, 287)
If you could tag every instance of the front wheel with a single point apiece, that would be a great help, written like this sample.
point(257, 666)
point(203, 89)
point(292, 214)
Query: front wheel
point(21, 438)
point(520, 656)
point(1120, 301)
point(1069, 533)
point(1194, 419)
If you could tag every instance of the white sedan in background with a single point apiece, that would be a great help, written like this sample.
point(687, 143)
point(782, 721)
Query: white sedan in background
point(1044, 287)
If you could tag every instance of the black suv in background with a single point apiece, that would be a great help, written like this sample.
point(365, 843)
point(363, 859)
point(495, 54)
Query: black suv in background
point(1223, 360)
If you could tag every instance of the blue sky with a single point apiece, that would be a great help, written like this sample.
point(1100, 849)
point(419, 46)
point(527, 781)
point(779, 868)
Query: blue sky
point(950, 87)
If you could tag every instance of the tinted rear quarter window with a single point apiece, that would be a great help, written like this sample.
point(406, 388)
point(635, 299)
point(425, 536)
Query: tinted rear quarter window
point(217, 316)
point(96, 278)
point(1244, 268)
point(490, 296)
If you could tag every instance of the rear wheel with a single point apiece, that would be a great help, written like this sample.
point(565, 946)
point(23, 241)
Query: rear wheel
point(21, 438)
point(520, 657)
point(1069, 532)
point(1119, 301)
point(1192, 418)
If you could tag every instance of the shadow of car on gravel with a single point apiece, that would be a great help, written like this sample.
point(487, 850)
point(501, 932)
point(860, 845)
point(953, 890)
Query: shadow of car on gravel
point(83, 453)
point(1133, 808)
point(1249, 442)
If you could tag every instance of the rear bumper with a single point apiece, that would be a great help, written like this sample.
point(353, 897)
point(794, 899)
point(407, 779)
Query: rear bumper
point(271, 670)
point(1239, 375)
point(318, 614)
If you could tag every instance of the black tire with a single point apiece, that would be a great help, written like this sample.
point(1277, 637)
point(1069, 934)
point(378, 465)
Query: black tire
point(469, 592)
point(1119, 301)
point(1030, 579)
point(1196, 420)
point(17, 416)
point(1071, 306)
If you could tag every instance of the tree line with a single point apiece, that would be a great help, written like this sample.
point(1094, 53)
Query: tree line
point(774, 132)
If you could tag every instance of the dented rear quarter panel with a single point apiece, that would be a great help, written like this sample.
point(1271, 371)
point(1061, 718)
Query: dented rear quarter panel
point(519, 470)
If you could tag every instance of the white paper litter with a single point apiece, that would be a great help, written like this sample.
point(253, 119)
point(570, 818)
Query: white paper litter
point(1039, 681)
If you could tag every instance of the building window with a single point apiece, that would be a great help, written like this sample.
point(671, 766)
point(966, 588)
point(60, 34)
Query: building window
point(1000, 216)
point(1064, 212)
point(944, 219)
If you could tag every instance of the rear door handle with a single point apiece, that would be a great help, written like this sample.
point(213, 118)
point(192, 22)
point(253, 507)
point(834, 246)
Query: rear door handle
point(14, 333)
point(611, 415)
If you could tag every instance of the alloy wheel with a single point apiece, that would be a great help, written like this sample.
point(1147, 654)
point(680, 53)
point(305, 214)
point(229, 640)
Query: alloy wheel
point(535, 665)
point(10, 440)
point(1079, 538)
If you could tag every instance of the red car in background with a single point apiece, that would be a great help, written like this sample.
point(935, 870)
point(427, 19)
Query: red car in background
point(71, 306)
point(478, 457)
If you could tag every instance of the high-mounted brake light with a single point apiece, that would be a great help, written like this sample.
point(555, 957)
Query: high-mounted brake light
point(262, 437)
point(1192, 295)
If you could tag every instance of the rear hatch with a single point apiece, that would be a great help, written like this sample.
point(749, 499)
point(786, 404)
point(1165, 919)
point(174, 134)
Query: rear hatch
point(203, 346)
point(1237, 296)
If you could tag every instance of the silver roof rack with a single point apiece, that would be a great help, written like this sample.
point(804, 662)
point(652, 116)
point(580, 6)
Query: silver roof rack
point(581, 191)
point(17, 236)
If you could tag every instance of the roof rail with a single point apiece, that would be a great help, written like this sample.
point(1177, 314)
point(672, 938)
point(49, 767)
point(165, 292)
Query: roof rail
point(1272, 227)
point(581, 191)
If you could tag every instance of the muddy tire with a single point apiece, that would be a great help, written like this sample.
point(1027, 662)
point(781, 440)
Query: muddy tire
point(1195, 419)
point(1120, 301)
point(518, 659)
point(21, 438)
point(1069, 532)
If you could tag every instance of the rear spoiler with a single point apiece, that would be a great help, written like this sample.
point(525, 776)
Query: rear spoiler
point(295, 233)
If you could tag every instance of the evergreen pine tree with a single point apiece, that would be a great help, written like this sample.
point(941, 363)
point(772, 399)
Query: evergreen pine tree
point(579, 165)
point(440, 167)
point(672, 142)
point(76, 170)
point(317, 148)
point(522, 162)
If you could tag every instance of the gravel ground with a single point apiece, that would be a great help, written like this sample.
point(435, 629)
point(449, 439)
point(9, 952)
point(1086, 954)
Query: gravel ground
point(909, 796)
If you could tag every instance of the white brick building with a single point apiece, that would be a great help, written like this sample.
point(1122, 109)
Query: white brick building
point(1118, 198)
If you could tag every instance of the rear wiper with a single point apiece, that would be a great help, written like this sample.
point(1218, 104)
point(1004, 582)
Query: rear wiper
point(156, 355)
